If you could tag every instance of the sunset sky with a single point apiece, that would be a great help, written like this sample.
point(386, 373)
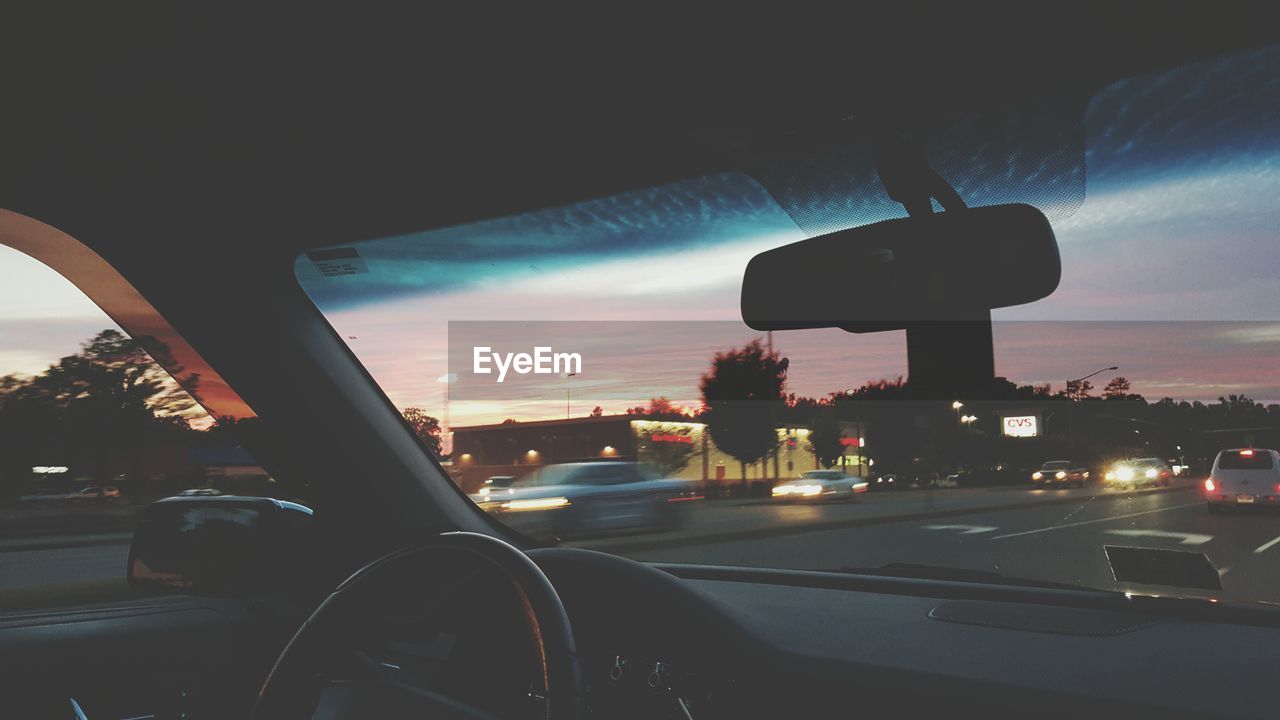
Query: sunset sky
point(1169, 270)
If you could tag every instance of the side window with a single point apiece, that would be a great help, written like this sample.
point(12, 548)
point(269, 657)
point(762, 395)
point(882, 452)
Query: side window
point(92, 429)
point(614, 475)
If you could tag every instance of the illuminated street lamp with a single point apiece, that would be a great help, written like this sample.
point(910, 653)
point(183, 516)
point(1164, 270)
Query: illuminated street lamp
point(956, 405)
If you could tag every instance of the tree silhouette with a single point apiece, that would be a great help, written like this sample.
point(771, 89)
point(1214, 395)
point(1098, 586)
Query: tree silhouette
point(424, 427)
point(893, 436)
point(825, 435)
point(1078, 389)
point(659, 408)
point(743, 399)
point(1117, 388)
point(597, 411)
point(112, 392)
point(31, 431)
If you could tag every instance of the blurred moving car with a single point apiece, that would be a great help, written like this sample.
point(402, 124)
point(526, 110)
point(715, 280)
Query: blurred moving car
point(1243, 476)
point(107, 494)
point(1140, 471)
point(821, 485)
point(495, 489)
point(1059, 472)
point(47, 496)
point(592, 498)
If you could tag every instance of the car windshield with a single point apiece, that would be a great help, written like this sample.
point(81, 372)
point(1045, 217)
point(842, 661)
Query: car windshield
point(548, 345)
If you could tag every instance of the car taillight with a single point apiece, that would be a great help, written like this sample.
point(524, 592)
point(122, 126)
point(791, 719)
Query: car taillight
point(1209, 485)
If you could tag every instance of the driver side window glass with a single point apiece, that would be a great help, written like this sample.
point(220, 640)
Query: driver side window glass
point(92, 429)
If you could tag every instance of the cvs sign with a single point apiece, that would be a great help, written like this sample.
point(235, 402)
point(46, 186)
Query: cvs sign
point(1020, 425)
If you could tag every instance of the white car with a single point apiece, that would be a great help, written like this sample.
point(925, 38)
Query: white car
point(820, 485)
point(1139, 471)
point(1243, 476)
point(583, 499)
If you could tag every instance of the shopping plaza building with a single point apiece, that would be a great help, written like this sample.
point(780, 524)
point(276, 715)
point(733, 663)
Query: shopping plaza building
point(677, 449)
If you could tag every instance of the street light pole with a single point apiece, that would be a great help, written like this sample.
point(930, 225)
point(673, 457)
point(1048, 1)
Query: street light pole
point(1071, 437)
point(566, 393)
point(445, 431)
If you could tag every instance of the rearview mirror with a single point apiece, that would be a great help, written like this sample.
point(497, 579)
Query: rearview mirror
point(219, 546)
point(884, 276)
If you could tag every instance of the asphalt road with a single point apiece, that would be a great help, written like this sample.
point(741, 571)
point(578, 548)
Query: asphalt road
point(1059, 541)
point(1055, 535)
point(57, 566)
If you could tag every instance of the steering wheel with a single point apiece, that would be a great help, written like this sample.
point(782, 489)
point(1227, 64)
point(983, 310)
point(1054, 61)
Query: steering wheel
point(298, 688)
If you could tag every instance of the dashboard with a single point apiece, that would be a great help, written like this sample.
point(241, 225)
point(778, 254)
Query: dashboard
point(678, 641)
point(709, 643)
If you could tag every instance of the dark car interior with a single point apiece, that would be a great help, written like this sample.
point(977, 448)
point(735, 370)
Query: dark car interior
point(195, 157)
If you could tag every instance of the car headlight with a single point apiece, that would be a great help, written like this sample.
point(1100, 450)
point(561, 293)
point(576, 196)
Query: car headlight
point(1151, 473)
point(484, 491)
point(1124, 474)
point(535, 504)
point(1037, 475)
point(807, 490)
point(1109, 476)
point(1059, 475)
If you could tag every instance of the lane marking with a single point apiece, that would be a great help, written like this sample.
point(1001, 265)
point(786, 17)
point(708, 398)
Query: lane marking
point(1183, 538)
point(964, 529)
point(1266, 546)
point(1094, 522)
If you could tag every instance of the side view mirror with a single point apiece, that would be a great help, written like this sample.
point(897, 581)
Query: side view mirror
point(219, 546)
point(950, 266)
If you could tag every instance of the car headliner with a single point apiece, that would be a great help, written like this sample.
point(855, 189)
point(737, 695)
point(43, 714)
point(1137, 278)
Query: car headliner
point(403, 132)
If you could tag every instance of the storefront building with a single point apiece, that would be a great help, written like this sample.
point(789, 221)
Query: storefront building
point(678, 449)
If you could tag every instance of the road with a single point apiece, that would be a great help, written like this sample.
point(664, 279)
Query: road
point(56, 566)
point(1060, 542)
point(1055, 535)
